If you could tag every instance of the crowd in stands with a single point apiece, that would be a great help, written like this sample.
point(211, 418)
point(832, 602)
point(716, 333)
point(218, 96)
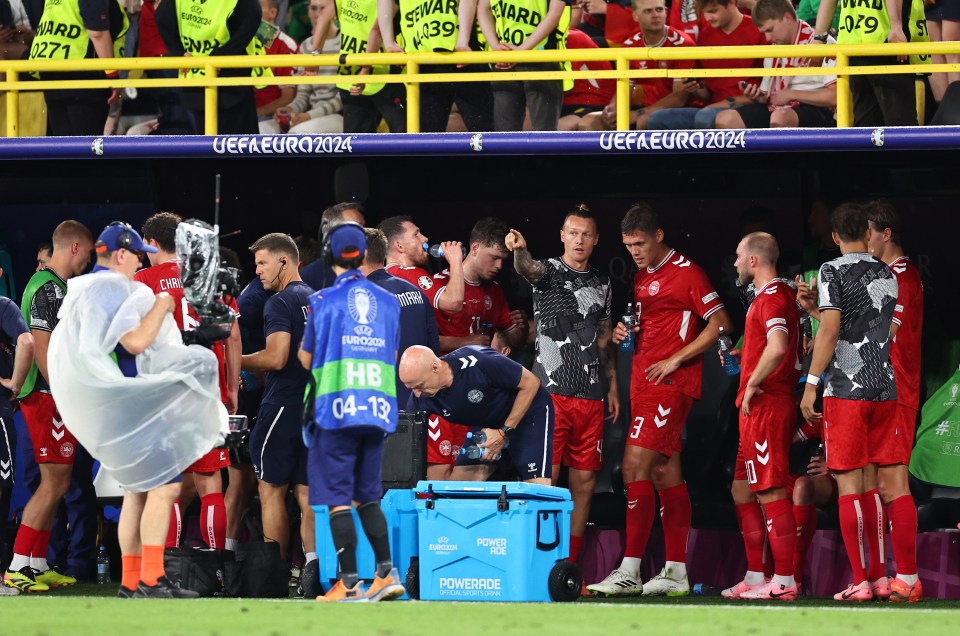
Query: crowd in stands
point(361, 104)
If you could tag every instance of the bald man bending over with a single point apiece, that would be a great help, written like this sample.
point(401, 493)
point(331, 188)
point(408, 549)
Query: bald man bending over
point(479, 388)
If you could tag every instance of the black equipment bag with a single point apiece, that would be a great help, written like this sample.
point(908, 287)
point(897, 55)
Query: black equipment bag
point(405, 452)
point(257, 572)
point(200, 570)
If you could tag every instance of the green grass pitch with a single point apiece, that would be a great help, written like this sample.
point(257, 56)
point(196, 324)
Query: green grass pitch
point(91, 609)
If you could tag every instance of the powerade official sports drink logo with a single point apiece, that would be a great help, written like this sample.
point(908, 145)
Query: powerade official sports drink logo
point(469, 586)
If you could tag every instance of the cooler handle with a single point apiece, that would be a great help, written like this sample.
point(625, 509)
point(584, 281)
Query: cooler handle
point(503, 504)
point(546, 547)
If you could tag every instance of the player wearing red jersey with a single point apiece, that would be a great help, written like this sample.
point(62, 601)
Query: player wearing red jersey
point(676, 298)
point(159, 231)
point(770, 369)
point(654, 92)
point(407, 259)
point(892, 480)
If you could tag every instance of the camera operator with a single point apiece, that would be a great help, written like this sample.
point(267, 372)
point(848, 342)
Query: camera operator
point(163, 275)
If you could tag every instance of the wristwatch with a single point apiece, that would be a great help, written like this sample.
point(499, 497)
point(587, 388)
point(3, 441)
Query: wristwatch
point(508, 432)
point(821, 37)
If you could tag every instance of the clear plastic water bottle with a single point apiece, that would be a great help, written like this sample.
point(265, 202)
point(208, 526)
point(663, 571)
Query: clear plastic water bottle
point(103, 566)
point(730, 364)
point(472, 452)
point(436, 250)
point(629, 321)
point(475, 439)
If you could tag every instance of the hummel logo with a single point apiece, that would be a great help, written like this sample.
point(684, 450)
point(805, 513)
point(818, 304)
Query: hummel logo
point(664, 412)
point(681, 262)
point(769, 526)
point(57, 423)
point(761, 447)
point(632, 504)
point(469, 361)
point(434, 434)
point(433, 422)
point(660, 423)
point(763, 459)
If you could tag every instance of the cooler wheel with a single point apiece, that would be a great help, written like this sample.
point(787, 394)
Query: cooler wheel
point(564, 582)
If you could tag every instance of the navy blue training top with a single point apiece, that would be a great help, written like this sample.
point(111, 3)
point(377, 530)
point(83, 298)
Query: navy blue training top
point(12, 325)
point(318, 274)
point(417, 323)
point(483, 391)
point(287, 311)
point(250, 302)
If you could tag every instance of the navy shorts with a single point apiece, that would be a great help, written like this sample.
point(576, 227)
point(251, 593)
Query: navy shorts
point(276, 445)
point(531, 449)
point(344, 467)
point(8, 451)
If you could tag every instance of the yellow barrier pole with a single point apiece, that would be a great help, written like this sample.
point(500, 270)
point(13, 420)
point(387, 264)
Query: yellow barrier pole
point(413, 99)
point(623, 95)
point(920, 89)
point(13, 106)
point(210, 103)
point(844, 96)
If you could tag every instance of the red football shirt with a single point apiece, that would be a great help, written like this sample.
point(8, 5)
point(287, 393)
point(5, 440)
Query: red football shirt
point(283, 45)
point(655, 89)
point(673, 297)
point(618, 23)
point(683, 17)
point(774, 309)
point(746, 34)
point(908, 314)
point(416, 276)
point(588, 92)
point(482, 302)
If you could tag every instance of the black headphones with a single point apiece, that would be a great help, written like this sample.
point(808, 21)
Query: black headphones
point(327, 253)
point(125, 240)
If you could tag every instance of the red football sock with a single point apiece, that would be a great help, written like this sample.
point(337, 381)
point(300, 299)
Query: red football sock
point(173, 533)
point(767, 557)
point(40, 544)
point(873, 533)
point(131, 570)
point(641, 503)
point(750, 517)
point(903, 533)
point(806, 519)
point(575, 544)
point(151, 564)
point(213, 520)
point(782, 535)
point(675, 516)
point(851, 529)
point(26, 537)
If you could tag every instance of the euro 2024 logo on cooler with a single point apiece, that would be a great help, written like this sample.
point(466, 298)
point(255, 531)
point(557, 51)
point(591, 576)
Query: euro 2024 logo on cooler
point(362, 306)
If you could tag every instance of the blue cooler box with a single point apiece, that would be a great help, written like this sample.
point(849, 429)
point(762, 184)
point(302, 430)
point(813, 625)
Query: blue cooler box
point(495, 541)
point(401, 513)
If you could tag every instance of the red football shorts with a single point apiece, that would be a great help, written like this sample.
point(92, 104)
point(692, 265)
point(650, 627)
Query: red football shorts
point(906, 432)
point(444, 440)
point(578, 432)
point(857, 433)
point(763, 459)
point(52, 442)
point(211, 462)
point(658, 416)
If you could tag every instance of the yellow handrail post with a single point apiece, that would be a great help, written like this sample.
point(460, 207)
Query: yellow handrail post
point(623, 95)
point(844, 96)
point(413, 99)
point(13, 105)
point(210, 103)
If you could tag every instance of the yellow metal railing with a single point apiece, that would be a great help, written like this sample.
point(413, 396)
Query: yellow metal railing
point(14, 70)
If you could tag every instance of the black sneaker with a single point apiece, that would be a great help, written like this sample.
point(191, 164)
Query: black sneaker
point(125, 592)
point(310, 580)
point(163, 589)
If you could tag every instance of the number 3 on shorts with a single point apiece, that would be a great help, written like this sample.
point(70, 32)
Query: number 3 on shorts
point(635, 432)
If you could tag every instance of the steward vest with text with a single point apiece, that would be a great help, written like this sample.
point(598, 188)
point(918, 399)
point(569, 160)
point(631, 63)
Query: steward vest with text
point(62, 36)
point(356, 18)
point(203, 29)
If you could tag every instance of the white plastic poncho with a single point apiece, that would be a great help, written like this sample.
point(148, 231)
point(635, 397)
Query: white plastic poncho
point(147, 429)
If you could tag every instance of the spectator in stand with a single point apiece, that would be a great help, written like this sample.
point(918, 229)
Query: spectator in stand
point(587, 95)
point(299, 25)
point(76, 30)
point(616, 17)
point(270, 98)
point(16, 33)
point(317, 107)
point(684, 16)
point(878, 100)
point(801, 101)
point(725, 26)
point(202, 35)
point(807, 11)
point(364, 103)
point(651, 94)
point(512, 31)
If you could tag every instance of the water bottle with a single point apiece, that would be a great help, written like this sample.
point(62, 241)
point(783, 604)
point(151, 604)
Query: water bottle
point(472, 452)
point(103, 566)
point(436, 250)
point(475, 439)
point(730, 364)
point(816, 457)
point(702, 589)
point(629, 321)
